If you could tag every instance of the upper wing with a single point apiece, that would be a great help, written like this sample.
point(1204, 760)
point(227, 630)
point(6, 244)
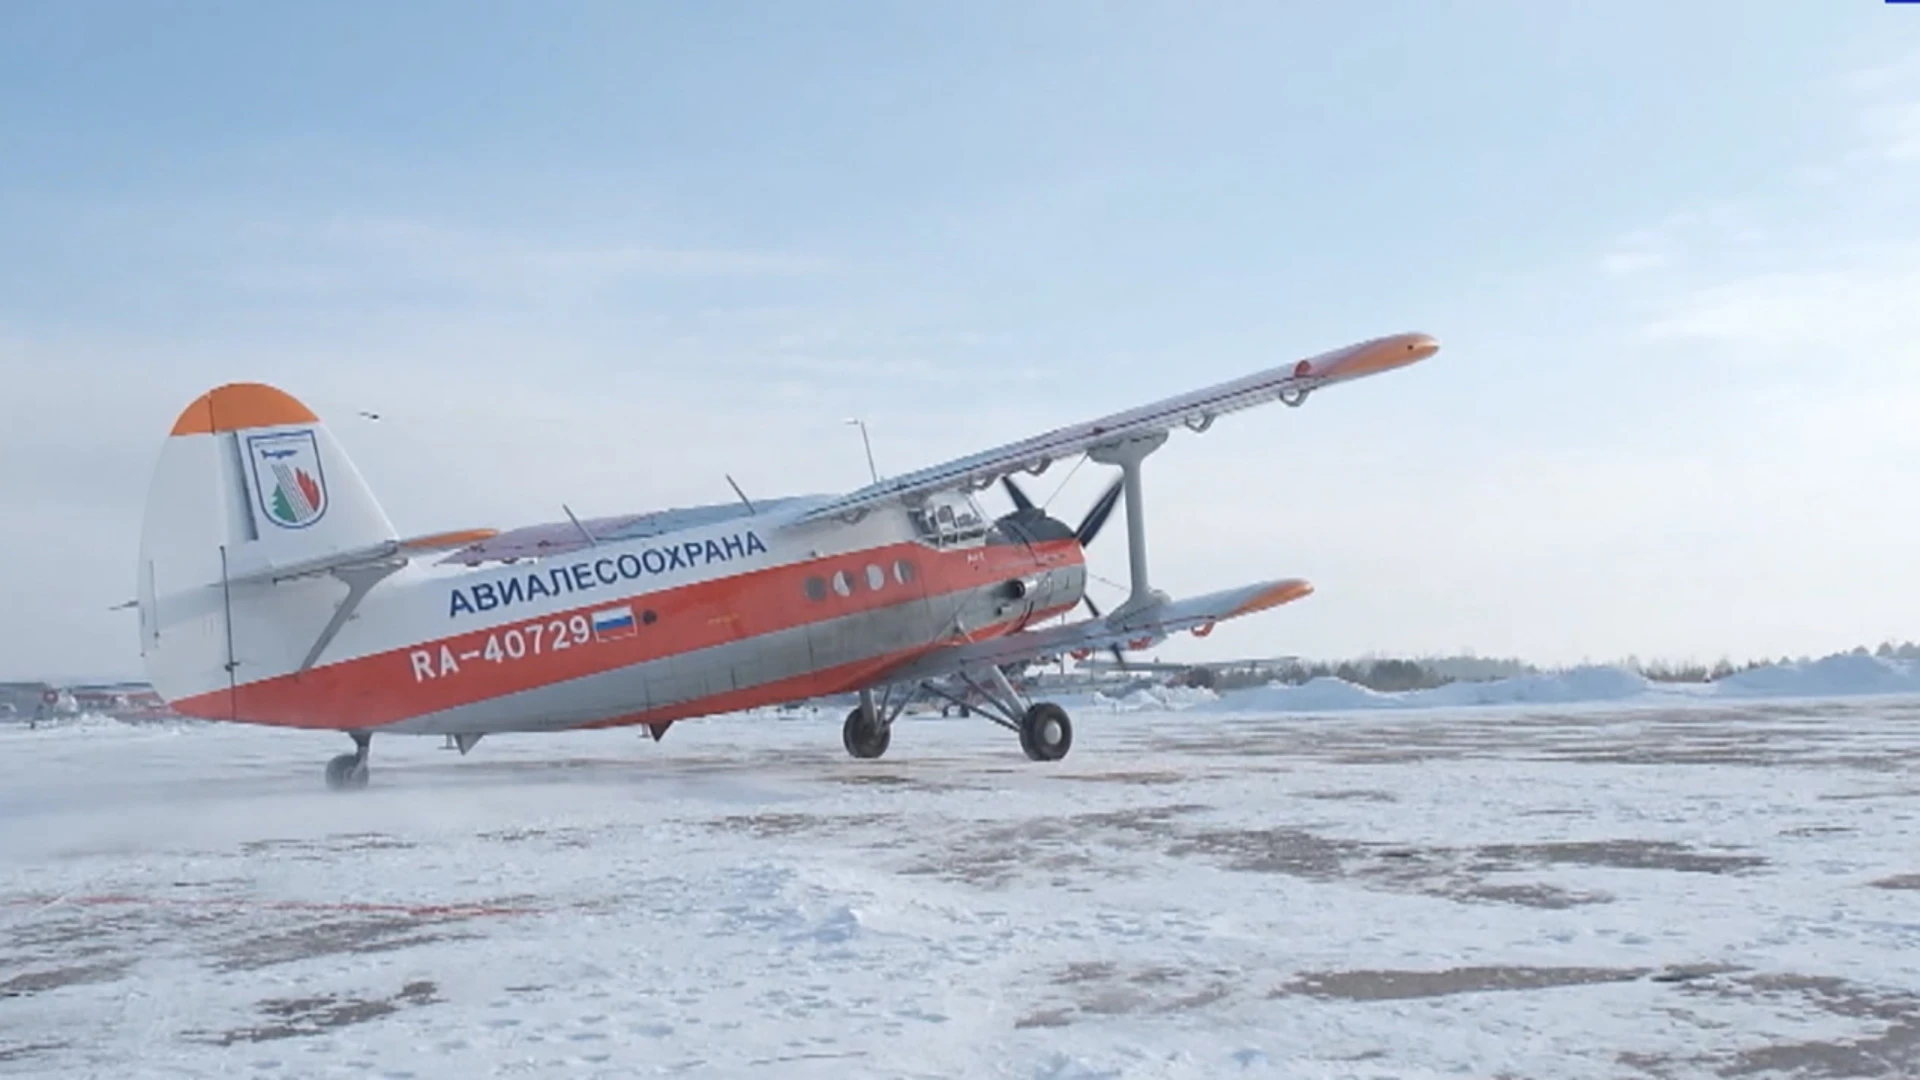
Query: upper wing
point(1195, 410)
point(1137, 631)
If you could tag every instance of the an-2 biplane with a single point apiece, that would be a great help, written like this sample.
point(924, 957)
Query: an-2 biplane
point(273, 590)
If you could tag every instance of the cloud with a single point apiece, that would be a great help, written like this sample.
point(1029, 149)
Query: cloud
point(1803, 313)
point(1893, 130)
point(1822, 268)
point(1627, 261)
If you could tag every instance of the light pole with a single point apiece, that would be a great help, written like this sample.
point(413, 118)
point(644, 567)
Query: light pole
point(864, 441)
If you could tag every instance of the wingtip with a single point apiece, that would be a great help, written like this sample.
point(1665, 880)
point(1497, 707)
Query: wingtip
point(1280, 592)
point(1381, 354)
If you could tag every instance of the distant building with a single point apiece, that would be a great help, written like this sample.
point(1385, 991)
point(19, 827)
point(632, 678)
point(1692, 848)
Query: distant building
point(122, 701)
point(24, 702)
point(29, 700)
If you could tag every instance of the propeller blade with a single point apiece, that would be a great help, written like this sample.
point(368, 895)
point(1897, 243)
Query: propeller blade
point(1098, 515)
point(1020, 500)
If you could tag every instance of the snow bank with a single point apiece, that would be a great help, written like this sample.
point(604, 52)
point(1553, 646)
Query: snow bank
point(1152, 699)
point(1844, 675)
point(84, 725)
point(1330, 694)
point(1835, 676)
point(1568, 687)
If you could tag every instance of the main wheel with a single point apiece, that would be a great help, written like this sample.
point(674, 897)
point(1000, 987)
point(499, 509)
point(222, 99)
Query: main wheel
point(863, 736)
point(1045, 732)
point(348, 772)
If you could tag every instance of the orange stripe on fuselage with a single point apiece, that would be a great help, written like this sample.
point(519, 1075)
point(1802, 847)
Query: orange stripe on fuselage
point(384, 688)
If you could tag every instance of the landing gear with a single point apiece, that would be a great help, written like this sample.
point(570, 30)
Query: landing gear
point(864, 735)
point(348, 772)
point(1045, 732)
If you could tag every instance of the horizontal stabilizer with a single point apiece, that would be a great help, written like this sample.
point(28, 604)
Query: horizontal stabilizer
point(385, 552)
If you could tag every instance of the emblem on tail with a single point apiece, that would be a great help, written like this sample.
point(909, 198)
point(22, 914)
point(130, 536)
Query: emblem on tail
point(288, 479)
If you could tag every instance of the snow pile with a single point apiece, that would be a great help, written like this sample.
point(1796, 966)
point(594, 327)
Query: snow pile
point(1834, 676)
point(1567, 687)
point(1843, 675)
point(1155, 699)
point(1330, 694)
point(1323, 694)
point(85, 724)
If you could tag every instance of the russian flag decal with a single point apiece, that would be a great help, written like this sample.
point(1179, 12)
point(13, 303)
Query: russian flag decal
point(614, 624)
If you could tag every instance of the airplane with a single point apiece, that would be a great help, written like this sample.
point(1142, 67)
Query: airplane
point(272, 589)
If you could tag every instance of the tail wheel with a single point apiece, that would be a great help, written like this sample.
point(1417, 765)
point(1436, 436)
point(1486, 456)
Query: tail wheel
point(864, 736)
point(1045, 732)
point(348, 772)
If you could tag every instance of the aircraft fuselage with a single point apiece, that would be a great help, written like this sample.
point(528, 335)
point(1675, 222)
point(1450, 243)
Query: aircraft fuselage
point(741, 613)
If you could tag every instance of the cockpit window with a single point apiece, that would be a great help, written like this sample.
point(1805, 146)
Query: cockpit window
point(948, 518)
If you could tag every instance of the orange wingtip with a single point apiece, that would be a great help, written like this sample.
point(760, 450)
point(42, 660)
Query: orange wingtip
point(237, 406)
point(1383, 355)
point(447, 541)
point(1286, 592)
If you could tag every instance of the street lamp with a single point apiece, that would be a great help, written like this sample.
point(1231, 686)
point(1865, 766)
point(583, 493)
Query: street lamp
point(864, 441)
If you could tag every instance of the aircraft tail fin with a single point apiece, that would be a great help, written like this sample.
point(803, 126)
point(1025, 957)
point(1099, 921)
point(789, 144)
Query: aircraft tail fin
point(248, 482)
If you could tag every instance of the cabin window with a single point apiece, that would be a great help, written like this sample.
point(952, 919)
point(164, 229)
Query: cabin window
point(903, 571)
point(649, 617)
point(876, 578)
point(816, 588)
point(842, 583)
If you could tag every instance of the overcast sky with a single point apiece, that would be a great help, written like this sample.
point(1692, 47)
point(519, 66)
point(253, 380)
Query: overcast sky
point(602, 254)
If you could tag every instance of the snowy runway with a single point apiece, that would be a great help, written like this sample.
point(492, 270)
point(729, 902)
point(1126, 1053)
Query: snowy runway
point(1661, 890)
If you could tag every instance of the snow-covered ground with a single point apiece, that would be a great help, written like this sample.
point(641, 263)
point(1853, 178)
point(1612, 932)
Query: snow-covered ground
point(1670, 886)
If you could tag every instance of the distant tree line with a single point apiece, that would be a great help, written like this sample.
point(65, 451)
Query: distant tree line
point(1391, 674)
point(1387, 675)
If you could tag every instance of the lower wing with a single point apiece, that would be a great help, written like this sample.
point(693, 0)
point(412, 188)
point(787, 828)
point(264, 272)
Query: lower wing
point(1137, 630)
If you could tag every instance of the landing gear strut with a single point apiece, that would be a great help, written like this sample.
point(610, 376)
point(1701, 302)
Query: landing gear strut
point(1046, 734)
point(348, 772)
point(870, 727)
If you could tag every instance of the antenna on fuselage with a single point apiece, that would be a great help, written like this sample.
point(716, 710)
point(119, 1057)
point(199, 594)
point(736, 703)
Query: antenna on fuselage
point(742, 494)
point(591, 542)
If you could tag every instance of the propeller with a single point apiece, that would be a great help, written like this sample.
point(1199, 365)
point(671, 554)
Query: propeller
point(1090, 526)
point(1097, 516)
point(1021, 504)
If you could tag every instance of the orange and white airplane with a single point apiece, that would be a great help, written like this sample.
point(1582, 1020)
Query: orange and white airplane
point(273, 590)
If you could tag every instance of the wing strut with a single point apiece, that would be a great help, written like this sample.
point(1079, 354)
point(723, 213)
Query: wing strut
point(1128, 455)
point(360, 581)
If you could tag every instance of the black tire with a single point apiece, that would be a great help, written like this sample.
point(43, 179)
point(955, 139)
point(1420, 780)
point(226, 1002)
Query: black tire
point(348, 772)
point(1045, 732)
point(864, 737)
